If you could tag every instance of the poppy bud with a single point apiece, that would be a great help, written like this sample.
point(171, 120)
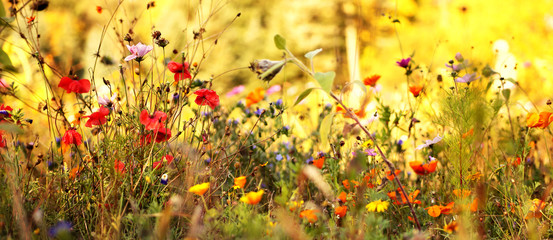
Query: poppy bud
point(266, 69)
point(156, 34)
point(128, 38)
point(162, 42)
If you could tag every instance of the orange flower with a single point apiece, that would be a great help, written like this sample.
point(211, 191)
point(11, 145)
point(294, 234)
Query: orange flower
point(451, 227)
point(516, 162)
point(310, 215)
point(423, 168)
point(412, 196)
point(239, 182)
point(343, 197)
point(199, 189)
point(461, 193)
point(415, 90)
point(469, 133)
point(437, 210)
point(255, 96)
point(474, 205)
point(371, 81)
point(99, 9)
point(535, 209)
point(533, 120)
point(390, 176)
point(319, 162)
point(346, 184)
point(31, 19)
point(341, 211)
point(252, 198)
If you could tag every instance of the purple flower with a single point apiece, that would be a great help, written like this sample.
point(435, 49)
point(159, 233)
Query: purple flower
point(278, 103)
point(164, 179)
point(455, 67)
point(138, 51)
point(259, 111)
point(236, 90)
point(404, 63)
point(459, 57)
point(467, 78)
point(62, 227)
point(278, 157)
point(370, 152)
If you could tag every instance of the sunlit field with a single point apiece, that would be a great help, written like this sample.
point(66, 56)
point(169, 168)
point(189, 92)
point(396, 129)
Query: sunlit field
point(239, 119)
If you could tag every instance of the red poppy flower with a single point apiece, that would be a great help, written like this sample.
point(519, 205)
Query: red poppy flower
point(154, 121)
point(97, 118)
point(423, 168)
point(207, 97)
point(181, 71)
point(163, 134)
point(119, 166)
point(158, 164)
point(76, 86)
point(371, 81)
point(72, 137)
point(2, 140)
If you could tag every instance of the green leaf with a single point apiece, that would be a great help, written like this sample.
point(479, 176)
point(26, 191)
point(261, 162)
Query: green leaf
point(303, 95)
point(487, 71)
point(11, 128)
point(5, 60)
point(361, 85)
point(280, 42)
point(2, 10)
point(325, 80)
point(312, 54)
point(324, 130)
point(506, 94)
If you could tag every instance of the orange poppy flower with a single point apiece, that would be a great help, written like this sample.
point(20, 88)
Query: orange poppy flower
point(310, 215)
point(99, 9)
point(437, 210)
point(535, 209)
point(474, 205)
point(346, 184)
point(533, 120)
point(451, 227)
point(199, 189)
point(461, 193)
point(319, 162)
point(359, 113)
point(415, 90)
point(343, 197)
point(239, 182)
point(412, 196)
point(390, 176)
point(252, 198)
point(423, 168)
point(255, 96)
point(371, 81)
point(341, 211)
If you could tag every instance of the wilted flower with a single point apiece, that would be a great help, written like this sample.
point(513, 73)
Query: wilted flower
point(261, 67)
point(377, 206)
point(138, 52)
point(199, 189)
point(252, 198)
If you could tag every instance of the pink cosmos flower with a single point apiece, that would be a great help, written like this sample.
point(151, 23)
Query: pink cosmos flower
point(236, 90)
point(273, 89)
point(138, 52)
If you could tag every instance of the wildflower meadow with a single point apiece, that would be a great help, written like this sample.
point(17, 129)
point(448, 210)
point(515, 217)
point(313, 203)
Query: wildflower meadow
point(238, 119)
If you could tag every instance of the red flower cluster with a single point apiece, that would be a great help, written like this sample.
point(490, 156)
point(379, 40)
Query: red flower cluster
point(97, 118)
point(156, 123)
point(180, 70)
point(207, 97)
point(167, 158)
point(76, 86)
